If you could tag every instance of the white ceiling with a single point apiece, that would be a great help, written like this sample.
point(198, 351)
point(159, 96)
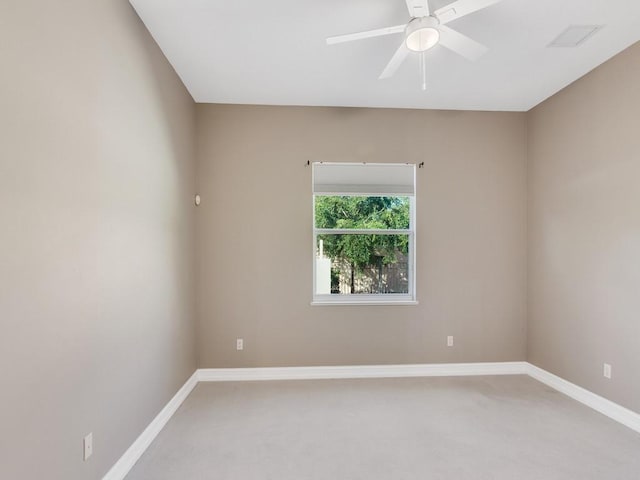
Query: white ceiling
point(273, 52)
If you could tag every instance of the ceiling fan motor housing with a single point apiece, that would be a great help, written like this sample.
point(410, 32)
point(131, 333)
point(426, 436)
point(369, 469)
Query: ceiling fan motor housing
point(422, 34)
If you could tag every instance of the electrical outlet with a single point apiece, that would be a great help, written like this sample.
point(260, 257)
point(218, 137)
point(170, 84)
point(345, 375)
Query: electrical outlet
point(239, 344)
point(607, 371)
point(450, 341)
point(88, 446)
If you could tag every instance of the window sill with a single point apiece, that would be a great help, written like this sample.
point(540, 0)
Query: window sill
point(364, 303)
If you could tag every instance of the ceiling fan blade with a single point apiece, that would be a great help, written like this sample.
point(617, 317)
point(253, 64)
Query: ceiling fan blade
point(368, 34)
point(395, 61)
point(461, 44)
point(461, 8)
point(418, 8)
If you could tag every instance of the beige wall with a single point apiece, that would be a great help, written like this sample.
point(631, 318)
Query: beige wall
point(584, 231)
point(96, 215)
point(254, 243)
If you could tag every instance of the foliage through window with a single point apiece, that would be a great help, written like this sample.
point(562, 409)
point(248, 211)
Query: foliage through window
point(363, 243)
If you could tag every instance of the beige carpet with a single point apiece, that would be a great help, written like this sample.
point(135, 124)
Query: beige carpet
point(458, 428)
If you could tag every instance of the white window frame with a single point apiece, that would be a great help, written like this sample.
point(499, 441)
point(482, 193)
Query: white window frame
point(369, 299)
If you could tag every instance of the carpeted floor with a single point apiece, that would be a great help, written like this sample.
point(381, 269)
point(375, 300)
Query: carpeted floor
point(458, 428)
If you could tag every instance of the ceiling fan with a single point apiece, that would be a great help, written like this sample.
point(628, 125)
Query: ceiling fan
point(424, 31)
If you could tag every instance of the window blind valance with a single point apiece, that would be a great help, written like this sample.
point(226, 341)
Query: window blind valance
point(364, 179)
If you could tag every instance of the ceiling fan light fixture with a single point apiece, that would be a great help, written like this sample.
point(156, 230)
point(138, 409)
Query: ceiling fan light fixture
point(421, 34)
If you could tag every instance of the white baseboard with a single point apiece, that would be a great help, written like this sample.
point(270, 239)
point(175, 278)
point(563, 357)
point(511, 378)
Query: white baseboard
point(138, 447)
point(612, 410)
point(361, 371)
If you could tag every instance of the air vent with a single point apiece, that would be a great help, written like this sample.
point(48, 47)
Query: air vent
point(575, 36)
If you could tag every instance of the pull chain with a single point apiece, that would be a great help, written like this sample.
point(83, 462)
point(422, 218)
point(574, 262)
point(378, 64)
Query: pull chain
point(423, 71)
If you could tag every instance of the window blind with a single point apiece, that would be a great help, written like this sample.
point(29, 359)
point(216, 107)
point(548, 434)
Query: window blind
point(364, 179)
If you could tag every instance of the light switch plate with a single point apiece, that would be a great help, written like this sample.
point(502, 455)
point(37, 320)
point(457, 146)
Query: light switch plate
point(88, 446)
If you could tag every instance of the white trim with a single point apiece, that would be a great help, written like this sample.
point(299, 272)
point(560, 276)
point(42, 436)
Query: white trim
point(365, 299)
point(348, 302)
point(411, 265)
point(122, 467)
point(612, 410)
point(361, 371)
point(363, 231)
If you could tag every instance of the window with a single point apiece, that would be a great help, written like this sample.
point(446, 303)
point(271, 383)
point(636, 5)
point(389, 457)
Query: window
point(363, 233)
